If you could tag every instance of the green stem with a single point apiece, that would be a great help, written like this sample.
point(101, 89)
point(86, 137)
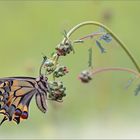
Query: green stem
point(110, 32)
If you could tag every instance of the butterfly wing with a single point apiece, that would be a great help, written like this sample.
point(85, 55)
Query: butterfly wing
point(41, 102)
point(15, 96)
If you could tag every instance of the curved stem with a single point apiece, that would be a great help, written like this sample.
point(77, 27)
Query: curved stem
point(100, 70)
point(40, 70)
point(110, 32)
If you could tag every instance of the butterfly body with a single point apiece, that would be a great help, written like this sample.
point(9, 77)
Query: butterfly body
point(16, 94)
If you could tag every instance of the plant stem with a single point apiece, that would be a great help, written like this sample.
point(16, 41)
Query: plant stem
point(95, 71)
point(110, 32)
point(90, 36)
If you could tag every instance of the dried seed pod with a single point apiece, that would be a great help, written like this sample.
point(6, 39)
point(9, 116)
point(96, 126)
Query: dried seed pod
point(51, 64)
point(85, 76)
point(64, 49)
point(56, 91)
point(60, 71)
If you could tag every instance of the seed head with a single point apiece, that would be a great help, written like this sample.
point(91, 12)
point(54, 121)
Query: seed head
point(56, 91)
point(85, 76)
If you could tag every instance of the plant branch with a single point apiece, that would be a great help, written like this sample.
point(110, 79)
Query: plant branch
point(90, 36)
point(100, 70)
point(123, 46)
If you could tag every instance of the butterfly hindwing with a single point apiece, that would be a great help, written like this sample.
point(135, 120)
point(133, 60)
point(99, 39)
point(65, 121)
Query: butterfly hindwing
point(15, 96)
point(22, 111)
point(41, 102)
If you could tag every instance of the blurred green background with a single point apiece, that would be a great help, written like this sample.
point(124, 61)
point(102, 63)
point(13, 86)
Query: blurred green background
point(101, 109)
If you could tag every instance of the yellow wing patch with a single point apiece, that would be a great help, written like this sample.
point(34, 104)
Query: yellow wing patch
point(21, 83)
point(23, 91)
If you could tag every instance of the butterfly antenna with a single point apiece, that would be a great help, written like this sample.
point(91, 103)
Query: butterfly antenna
point(44, 59)
point(4, 119)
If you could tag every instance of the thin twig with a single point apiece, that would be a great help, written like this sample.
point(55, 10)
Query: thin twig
point(100, 70)
point(123, 46)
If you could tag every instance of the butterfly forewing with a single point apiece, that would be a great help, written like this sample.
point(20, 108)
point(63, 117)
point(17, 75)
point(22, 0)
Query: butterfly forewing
point(15, 96)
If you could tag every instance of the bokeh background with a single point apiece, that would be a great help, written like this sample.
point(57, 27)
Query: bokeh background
point(100, 109)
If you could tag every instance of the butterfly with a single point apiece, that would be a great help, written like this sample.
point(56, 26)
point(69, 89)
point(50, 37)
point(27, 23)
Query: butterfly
point(16, 94)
